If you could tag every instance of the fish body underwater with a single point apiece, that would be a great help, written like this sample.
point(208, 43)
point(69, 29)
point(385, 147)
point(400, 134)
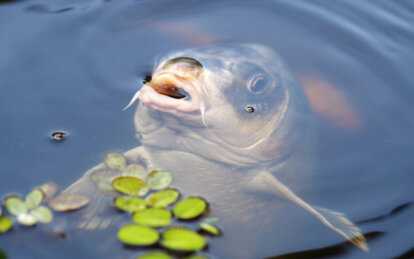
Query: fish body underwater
point(227, 121)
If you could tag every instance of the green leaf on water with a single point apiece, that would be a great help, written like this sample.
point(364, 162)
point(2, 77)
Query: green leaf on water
point(152, 217)
point(15, 205)
point(115, 161)
point(190, 208)
point(155, 255)
point(26, 220)
point(131, 204)
point(136, 235)
point(158, 180)
point(130, 185)
point(68, 202)
point(6, 224)
point(0, 211)
point(210, 229)
point(34, 198)
point(135, 170)
point(163, 198)
point(42, 214)
point(182, 239)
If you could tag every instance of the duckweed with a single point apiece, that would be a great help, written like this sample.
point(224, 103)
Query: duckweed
point(42, 214)
point(130, 204)
point(182, 239)
point(136, 235)
point(154, 255)
point(6, 224)
point(210, 229)
point(15, 205)
point(190, 208)
point(163, 198)
point(158, 180)
point(34, 198)
point(152, 217)
point(130, 185)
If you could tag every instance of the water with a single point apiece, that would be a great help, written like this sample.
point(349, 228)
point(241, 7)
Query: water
point(73, 66)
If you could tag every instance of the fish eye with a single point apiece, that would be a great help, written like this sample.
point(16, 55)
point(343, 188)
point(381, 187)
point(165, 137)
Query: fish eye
point(258, 84)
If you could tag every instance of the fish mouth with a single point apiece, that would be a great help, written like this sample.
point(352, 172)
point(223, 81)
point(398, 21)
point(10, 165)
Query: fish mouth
point(173, 92)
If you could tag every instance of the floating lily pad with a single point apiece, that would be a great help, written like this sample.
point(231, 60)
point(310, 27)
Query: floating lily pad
point(135, 170)
point(152, 217)
point(131, 204)
point(68, 202)
point(210, 229)
point(15, 205)
point(26, 220)
point(190, 208)
point(163, 198)
point(158, 180)
point(49, 189)
point(137, 235)
point(182, 239)
point(6, 224)
point(34, 198)
point(115, 161)
point(130, 185)
point(42, 214)
point(155, 255)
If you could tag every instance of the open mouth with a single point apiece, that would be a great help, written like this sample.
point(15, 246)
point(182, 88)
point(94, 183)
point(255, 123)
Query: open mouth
point(173, 93)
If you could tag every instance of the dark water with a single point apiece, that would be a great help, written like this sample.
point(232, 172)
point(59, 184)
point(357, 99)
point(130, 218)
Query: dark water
point(73, 66)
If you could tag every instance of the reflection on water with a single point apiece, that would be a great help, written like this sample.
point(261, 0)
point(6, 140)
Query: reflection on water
point(73, 66)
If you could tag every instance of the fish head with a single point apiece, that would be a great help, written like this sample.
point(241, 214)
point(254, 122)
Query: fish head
point(229, 103)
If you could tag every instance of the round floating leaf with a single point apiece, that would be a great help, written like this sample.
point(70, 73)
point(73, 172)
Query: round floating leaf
point(130, 204)
point(68, 202)
point(26, 220)
point(34, 198)
point(152, 217)
point(15, 205)
point(158, 180)
point(130, 185)
point(163, 198)
point(154, 255)
point(5, 224)
point(115, 161)
point(42, 214)
point(178, 238)
point(210, 229)
point(137, 235)
point(49, 189)
point(135, 170)
point(189, 208)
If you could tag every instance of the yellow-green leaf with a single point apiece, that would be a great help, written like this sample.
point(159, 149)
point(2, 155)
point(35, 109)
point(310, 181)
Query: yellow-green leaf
point(42, 214)
point(190, 208)
point(158, 180)
point(15, 205)
point(5, 224)
point(152, 217)
point(163, 198)
point(136, 235)
point(130, 185)
point(130, 204)
point(182, 239)
point(34, 198)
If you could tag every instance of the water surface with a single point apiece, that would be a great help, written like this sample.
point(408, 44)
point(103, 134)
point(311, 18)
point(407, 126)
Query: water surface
point(73, 65)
